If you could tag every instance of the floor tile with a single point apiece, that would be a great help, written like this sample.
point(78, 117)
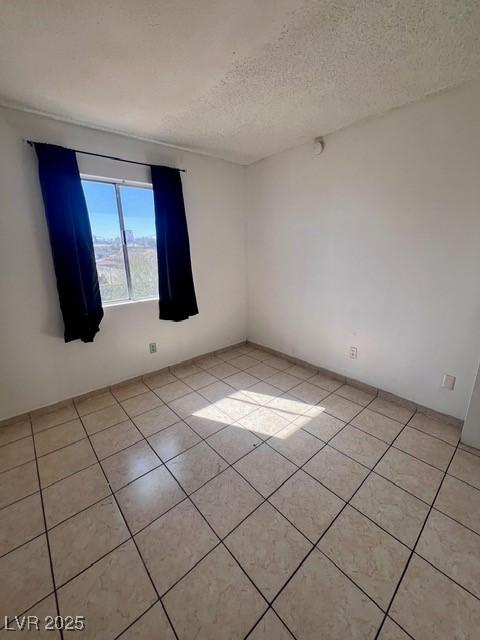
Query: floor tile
point(283, 381)
point(155, 420)
point(199, 380)
point(16, 431)
point(359, 445)
point(142, 403)
point(223, 370)
point(111, 594)
point(269, 549)
point(225, 501)
point(426, 448)
point(159, 379)
point(447, 432)
point(289, 406)
point(20, 522)
point(196, 466)
point(307, 504)
point(241, 380)
point(460, 501)
point(391, 631)
point(453, 549)
point(270, 627)
point(83, 539)
point(94, 403)
point(429, 606)
point(104, 418)
point(392, 410)
point(295, 444)
point(69, 496)
point(148, 498)
point(345, 612)
point(173, 391)
point(233, 442)
point(207, 362)
point(377, 425)
point(208, 421)
point(367, 554)
point(261, 370)
point(393, 509)
point(258, 354)
point(52, 418)
point(58, 437)
point(129, 464)
point(236, 408)
point(304, 373)
point(16, 453)
point(129, 390)
point(261, 394)
point(341, 407)
point(230, 354)
point(217, 391)
point(153, 624)
point(411, 474)
point(44, 608)
point(326, 382)
point(338, 473)
point(174, 543)
point(169, 442)
point(277, 363)
point(360, 396)
point(243, 362)
point(214, 600)
point(189, 404)
point(320, 424)
point(59, 464)
point(466, 467)
point(114, 439)
point(18, 483)
point(263, 422)
point(265, 469)
point(26, 577)
point(310, 393)
point(186, 370)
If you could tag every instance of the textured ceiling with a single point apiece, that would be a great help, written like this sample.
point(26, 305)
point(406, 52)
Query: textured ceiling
point(236, 79)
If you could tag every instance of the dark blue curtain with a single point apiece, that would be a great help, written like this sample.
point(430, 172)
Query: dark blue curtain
point(71, 242)
point(175, 280)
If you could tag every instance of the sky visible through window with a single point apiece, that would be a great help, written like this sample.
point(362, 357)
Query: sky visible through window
point(102, 206)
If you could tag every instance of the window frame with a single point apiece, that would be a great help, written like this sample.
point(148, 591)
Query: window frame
point(117, 183)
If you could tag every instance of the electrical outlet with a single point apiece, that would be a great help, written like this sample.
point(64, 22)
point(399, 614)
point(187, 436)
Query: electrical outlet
point(448, 382)
point(153, 347)
point(353, 353)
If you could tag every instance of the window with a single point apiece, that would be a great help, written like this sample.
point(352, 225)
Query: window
point(123, 229)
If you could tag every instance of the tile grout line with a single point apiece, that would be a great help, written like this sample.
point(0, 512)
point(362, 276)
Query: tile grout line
point(133, 540)
point(412, 553)
point(47, 537)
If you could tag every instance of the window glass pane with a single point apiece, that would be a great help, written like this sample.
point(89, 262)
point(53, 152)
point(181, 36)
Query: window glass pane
point(103, 214)
point(139, 221)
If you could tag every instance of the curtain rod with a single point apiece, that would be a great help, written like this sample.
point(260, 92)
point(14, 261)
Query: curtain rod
point(101, 155)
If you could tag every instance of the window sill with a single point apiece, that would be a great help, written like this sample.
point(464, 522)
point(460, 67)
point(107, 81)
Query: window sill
point(121, 303)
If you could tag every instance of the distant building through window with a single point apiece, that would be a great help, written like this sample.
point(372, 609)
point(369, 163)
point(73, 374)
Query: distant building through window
point(123, 229)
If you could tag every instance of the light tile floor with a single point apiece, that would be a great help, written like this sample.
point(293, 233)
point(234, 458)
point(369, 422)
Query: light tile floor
point(240, 496)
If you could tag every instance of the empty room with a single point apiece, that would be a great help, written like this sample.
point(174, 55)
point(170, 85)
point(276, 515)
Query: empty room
point(239, 326)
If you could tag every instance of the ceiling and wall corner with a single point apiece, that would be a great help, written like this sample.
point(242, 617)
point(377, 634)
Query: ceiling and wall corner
point(238, 80)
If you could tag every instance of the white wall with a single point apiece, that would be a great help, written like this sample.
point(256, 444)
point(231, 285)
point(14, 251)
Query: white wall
point(36, 366)
point(471, 428)
point(375, 243)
